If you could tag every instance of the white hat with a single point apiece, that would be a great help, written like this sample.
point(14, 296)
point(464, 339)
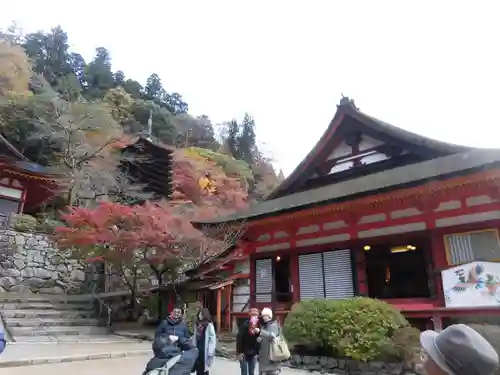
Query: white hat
point(267, 311)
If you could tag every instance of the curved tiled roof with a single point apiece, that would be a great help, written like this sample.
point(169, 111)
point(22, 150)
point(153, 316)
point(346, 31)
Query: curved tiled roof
point(345, 109)
point(409, 175)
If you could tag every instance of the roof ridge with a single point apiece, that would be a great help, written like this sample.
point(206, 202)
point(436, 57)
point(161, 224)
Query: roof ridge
point(12, 149)
point(400, 176)
point(405, 133)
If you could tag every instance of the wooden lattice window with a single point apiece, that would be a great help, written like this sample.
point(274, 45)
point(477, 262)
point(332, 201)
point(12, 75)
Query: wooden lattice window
point(472, 246)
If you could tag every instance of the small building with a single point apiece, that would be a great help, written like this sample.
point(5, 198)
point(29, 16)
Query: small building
point(374, 210)
point(223, 286)
point(24, 185)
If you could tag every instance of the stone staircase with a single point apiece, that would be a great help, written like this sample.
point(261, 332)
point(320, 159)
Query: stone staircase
point(37, 318)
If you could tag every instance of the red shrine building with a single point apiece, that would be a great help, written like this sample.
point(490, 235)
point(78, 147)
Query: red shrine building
point(374, 210)
point(24, 185)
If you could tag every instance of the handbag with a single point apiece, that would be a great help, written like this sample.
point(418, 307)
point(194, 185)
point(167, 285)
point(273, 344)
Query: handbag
point(279, 351)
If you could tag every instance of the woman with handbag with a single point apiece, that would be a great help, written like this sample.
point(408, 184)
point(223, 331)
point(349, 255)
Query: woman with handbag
point(268, 332)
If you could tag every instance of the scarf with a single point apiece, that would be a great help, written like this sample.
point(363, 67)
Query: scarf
point(173, 321)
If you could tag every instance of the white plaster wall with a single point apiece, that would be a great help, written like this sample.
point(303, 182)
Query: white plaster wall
point(241, 294)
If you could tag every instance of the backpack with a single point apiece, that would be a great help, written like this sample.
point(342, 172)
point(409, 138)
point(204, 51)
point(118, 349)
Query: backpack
point(166, 367)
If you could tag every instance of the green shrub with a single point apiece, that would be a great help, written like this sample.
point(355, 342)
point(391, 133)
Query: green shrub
point(357, 328)
point(23, 223)
point(403, 345)
point(48, 225)
point(306, 323)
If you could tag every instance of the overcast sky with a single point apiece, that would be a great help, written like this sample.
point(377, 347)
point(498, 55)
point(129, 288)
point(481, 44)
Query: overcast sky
point(432, 67)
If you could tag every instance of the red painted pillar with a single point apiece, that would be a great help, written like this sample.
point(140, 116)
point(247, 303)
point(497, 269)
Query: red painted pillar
point(294, 276)
point(439, 261)
point(361, 277)
point(252, 281)
point(23, 201)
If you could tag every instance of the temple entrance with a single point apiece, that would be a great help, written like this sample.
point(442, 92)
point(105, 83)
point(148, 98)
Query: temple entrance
point(398, 271)
point(282, 282)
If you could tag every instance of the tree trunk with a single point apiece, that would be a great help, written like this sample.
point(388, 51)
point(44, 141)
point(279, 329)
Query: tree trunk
point(159, 278)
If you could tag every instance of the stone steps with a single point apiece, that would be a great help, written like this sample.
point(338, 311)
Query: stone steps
point(48, 318)
point(17, 332)
point(47, 322)
point(81, 339)
point(42, 314)
point(45, 306)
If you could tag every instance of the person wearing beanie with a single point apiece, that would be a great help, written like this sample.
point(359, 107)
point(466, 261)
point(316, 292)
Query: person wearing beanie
point(247, 346)
point(268, 331)
point(457, 350)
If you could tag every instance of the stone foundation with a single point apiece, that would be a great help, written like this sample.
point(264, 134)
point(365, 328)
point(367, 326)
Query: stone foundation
point(30, 262)
point(327, 365)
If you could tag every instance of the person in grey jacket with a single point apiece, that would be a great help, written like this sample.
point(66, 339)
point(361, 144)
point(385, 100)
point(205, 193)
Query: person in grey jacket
point(268, 331)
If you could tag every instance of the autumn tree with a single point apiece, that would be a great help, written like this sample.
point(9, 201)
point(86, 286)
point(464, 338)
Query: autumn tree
point(190, 166)
point(81, 141)
point(15, 70)
point(155, 239)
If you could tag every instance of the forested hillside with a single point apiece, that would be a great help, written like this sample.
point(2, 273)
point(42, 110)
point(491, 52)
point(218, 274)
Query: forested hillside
point(75, 115)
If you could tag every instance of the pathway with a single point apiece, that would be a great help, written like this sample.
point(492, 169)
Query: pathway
point(122, 366)
point(21, 353)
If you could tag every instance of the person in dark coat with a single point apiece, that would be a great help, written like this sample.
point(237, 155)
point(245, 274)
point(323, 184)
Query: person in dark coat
point(247, 346)
point(164, 349)
point(205, 340)
point(173, 325)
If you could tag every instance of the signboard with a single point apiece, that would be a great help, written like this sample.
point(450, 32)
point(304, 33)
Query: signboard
point(471, 285)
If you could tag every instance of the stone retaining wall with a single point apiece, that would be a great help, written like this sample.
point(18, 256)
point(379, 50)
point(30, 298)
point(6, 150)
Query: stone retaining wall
point(29, 261)
point(345, 366)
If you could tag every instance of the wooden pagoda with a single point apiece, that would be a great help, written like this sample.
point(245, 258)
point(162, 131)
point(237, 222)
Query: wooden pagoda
point(374, 210)
point(150, 164)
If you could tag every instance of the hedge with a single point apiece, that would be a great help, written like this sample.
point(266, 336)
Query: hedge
point(357, 328)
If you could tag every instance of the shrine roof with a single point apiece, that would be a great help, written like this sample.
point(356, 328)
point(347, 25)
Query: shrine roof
point(35, 168)
point(347, 111)
point(10, 151)
point(411, 175)
point(17, 160)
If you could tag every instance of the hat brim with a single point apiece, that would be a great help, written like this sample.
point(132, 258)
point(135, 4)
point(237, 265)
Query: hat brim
point(428, 343)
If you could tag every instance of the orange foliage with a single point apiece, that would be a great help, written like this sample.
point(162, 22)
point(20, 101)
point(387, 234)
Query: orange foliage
point(187, 170)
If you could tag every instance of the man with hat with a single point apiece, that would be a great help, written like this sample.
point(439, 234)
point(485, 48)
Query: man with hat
point(457, 350)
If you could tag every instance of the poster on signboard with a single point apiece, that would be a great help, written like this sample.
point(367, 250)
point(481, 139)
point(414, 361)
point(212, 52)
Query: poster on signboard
point(472, 284)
